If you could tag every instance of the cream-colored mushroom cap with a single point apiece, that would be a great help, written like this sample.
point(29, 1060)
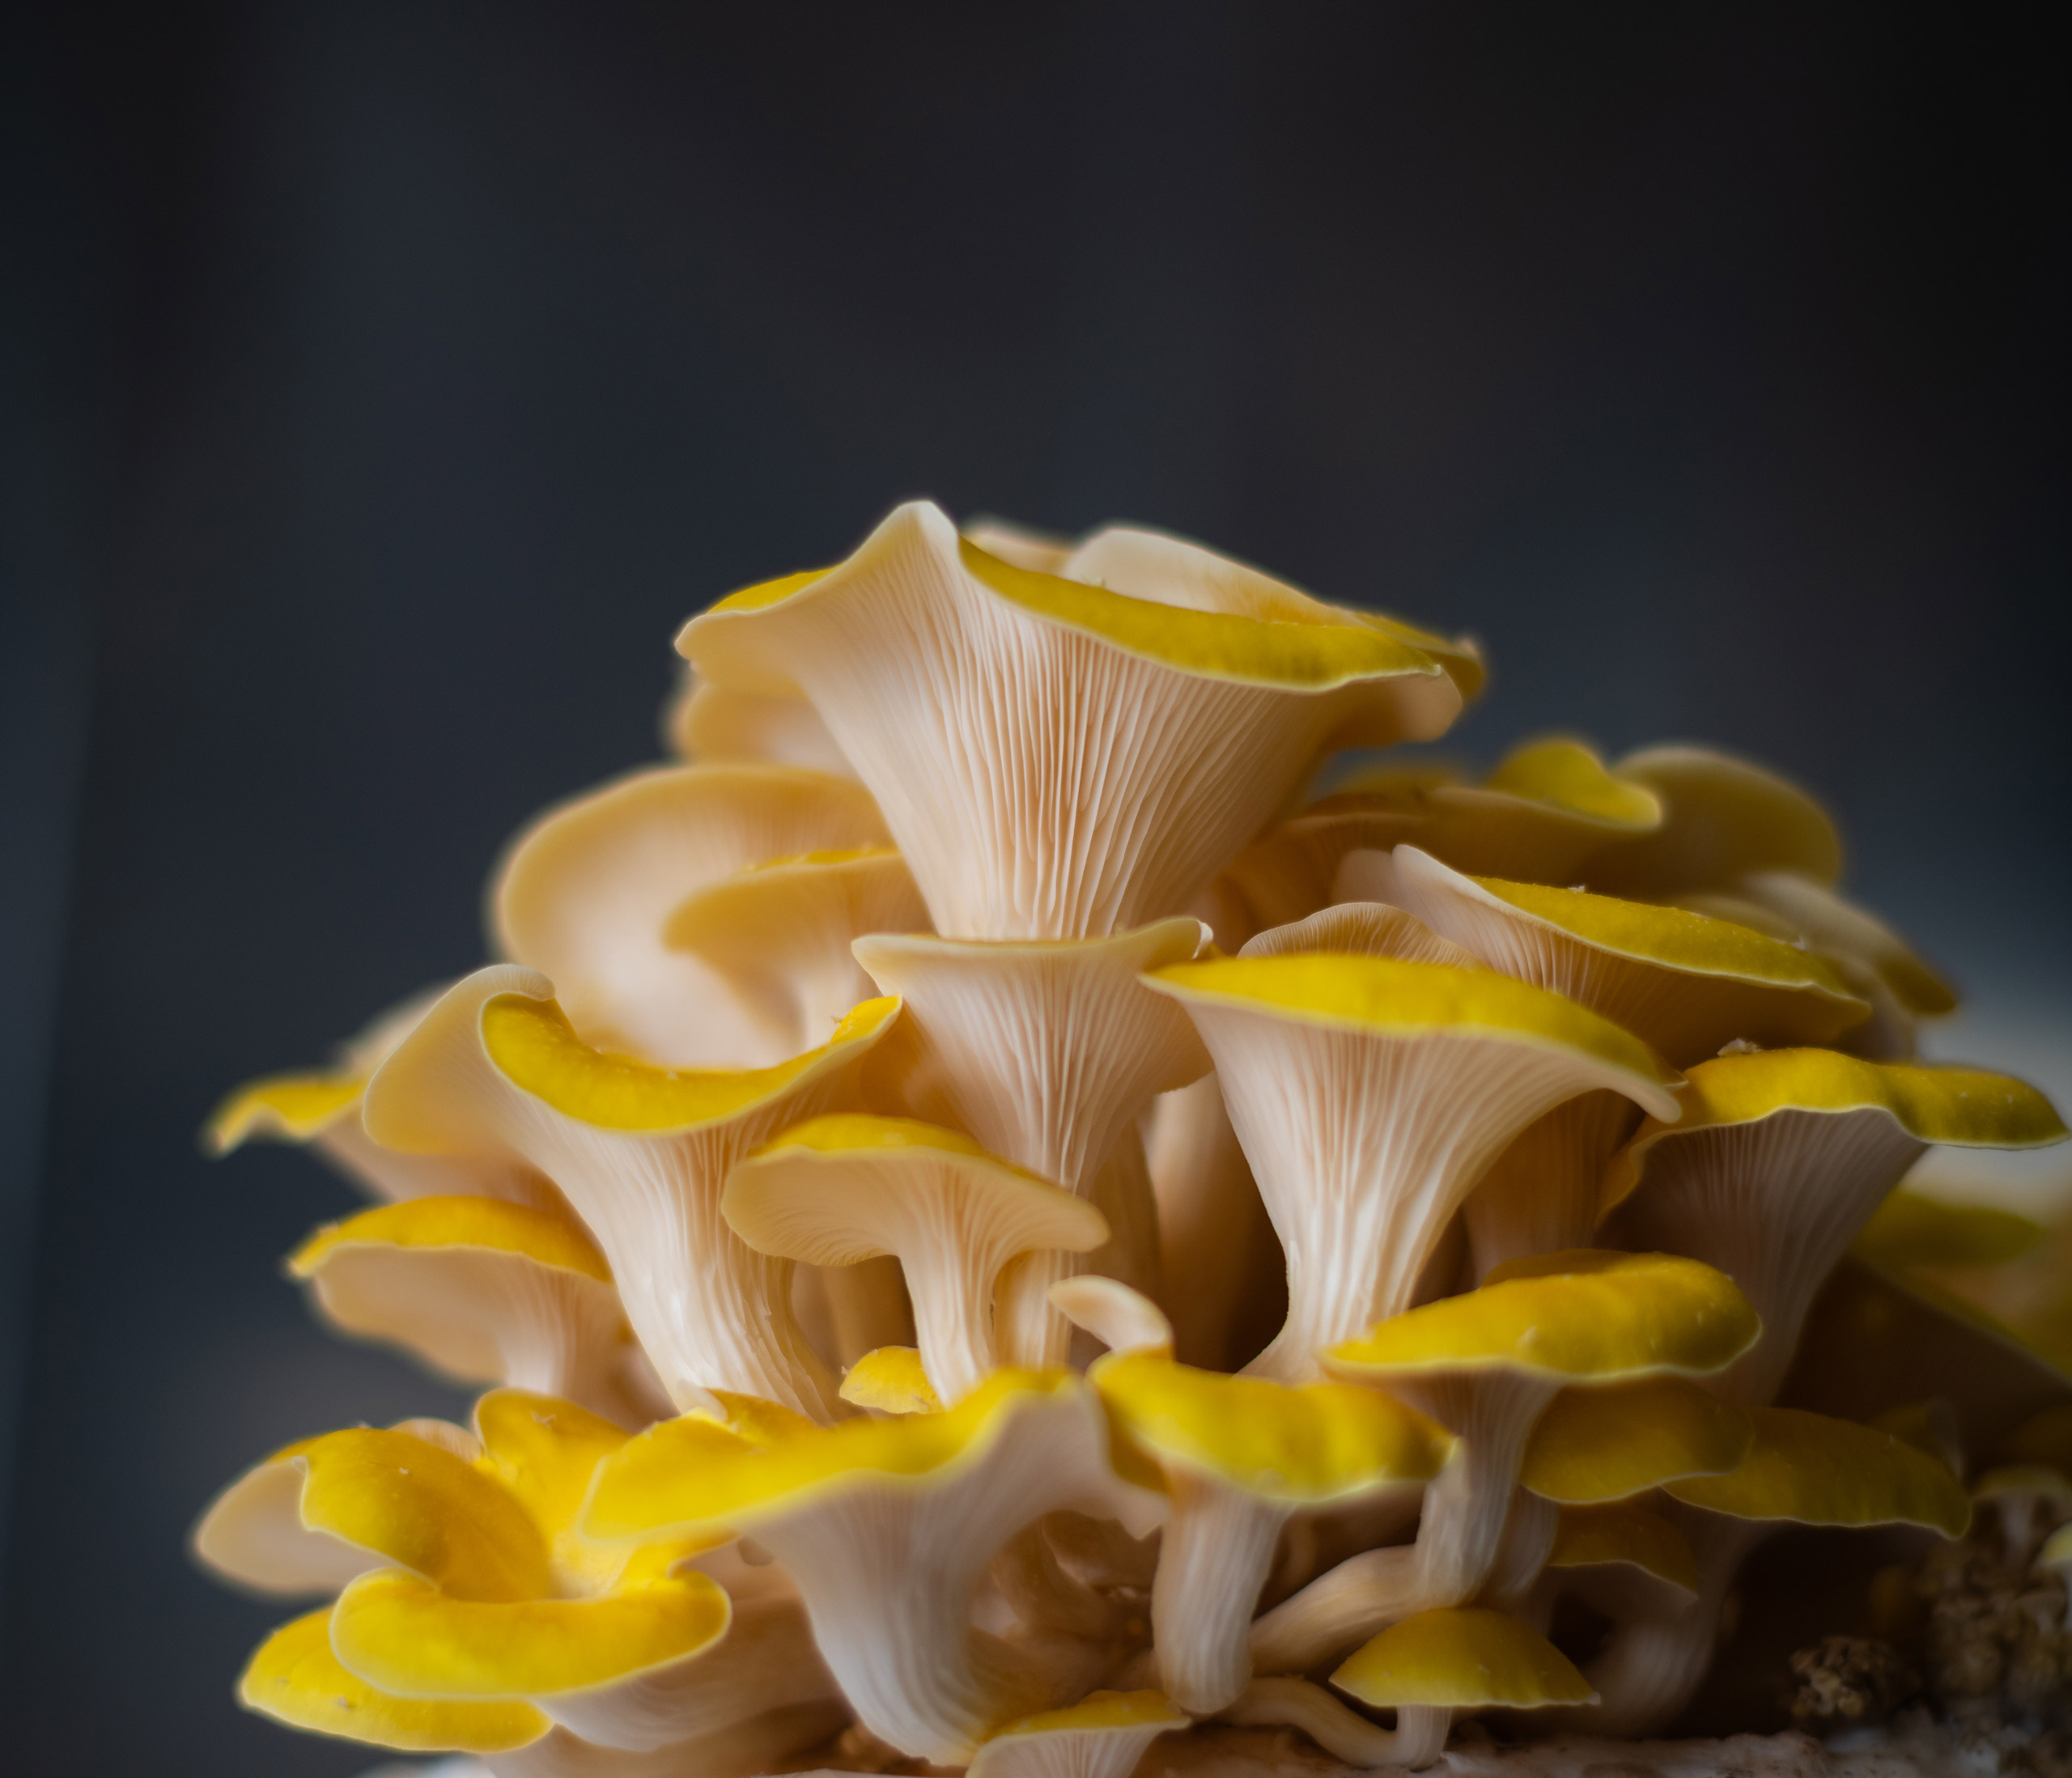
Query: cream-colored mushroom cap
point(1604, 1316)
point(714, 725)
point(584, 895)
point(981, 703)
point(485, 1290)
point(846, 1187)
point(1686, 983)
point(1103, 1736)
point(1812, 1469)
point(1595, 1445)
point(1461, 1658)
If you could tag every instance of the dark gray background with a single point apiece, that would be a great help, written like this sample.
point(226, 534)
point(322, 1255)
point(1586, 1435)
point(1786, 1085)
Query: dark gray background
point(383, 382)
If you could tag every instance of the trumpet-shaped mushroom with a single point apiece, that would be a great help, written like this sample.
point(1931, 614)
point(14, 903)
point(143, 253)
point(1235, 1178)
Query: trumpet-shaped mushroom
point(1370, 1095)
point(1802, 1469)
point(886, 1527)
point(1103, 1736)
point(1240, 1457)
point(1055, 760)
point(483, 1291)
point(1684, 983)
point(779, 935)
point(1486, 1365)
point(1594, 1446)
point(584, 896)
point(643, 1153)
point(1781, 1156)
point(1045, 1052)
point(1447, 1662)
point(840, 1189)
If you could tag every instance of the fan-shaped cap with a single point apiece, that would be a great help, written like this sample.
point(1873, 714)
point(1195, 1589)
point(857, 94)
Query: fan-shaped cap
point(1812, 1469)
point(1461, 1658)
point(1582, 1316)
point(584, 895)
point(923, 654)
point(1593, 1446)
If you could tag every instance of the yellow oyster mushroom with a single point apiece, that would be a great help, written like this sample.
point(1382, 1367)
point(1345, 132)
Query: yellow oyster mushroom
point(1104, 1735)
point(1486, 1365)
point(1910, 1231)
point(484, 1291)
point(321, 1107)
point(886, 1527)
point(842, 1188)
point(891, 1380)
point(1780, 1156)
point(643, 1153)
point(779, 935)
point(1240, 1456)
point(1055, 760)
point(1448, 1662)
point(1683, 983)
point(1044, 1052)
point(1722, 818)
point(1624, 1535)
point(585, 894)
point(1595, 1446)
point(711, 725)
point(1370, 1096)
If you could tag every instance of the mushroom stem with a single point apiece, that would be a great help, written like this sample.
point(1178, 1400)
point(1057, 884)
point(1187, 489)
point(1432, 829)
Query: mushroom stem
point(1417, 1740)
point(1334, 1609)
point(1542, 1194)
point(1213, 1561)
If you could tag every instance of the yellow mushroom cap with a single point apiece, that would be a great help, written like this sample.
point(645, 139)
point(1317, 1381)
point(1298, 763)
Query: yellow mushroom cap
point(1908, 1230)
point(891, 1380)
point(1568, 773)
point(1462, 1657)
point(691, 1475)
point(1812, 1469)
point(1302, 1445)
point(1596, 1536)
point(2057, 1550)
point(286, 1107)
point(1583, 1314)
point(294, 1678)
point(440, 1222)
point(1603, 1445)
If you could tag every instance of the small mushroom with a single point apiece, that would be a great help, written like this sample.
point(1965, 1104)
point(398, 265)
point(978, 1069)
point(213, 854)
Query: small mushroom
point(1370, 1095)
point(1446, 1663)
point(842, 1188)
point(1103, 1736)
point(585, 893)
point(1781, 1156)
point(886, 1527)
point(1045, 1052)
point(1056, 760)
point(643, 1153)
point(483, 1291)
point(2028, 1499)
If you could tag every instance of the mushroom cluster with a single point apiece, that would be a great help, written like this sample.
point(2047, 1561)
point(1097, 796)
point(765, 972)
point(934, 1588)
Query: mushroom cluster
point(999, 1229)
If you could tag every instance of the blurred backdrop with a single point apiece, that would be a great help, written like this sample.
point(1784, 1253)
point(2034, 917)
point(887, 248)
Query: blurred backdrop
point(384, 382)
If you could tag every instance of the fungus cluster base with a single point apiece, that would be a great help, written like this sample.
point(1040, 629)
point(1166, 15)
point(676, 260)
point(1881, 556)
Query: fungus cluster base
point(1035, 1206)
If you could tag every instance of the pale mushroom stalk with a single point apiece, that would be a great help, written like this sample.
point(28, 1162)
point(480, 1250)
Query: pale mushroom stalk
point(1058, 760)
point(1045, 1053)
point(643, 1154)
point(1370, 1095)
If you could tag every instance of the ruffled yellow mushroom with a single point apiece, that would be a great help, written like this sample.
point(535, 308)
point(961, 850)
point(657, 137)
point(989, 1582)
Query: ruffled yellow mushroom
point(843, 1188)
point(1781, 1156)
point(1802, 1469)
point(1686, 984)
point(1596, 1446)
point(1370, 1095)
point(1103, 1736)
point(483, 1291)
point(643, 1153)
point(886, 1527)
point(1045, 1052)
point(1446, 1663)
point(1240, 1458)
point(1722, 818)
point(711, 725)
point(1486, 1365)
point(779, 935)
point(585, 894)
point(1055, 760)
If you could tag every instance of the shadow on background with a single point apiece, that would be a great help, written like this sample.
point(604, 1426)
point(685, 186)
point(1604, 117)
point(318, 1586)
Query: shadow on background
point(386, 382)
